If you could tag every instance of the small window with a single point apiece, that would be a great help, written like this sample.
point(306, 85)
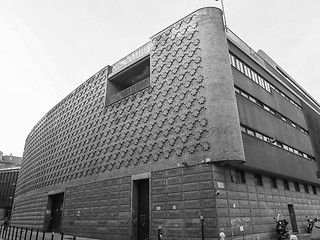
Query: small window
point(250, 132)
point(306, 188)
point(237, 90)
point(265, 138)
point(286, 184)
point(268, 87)
point(296, 186)
point(243, 129)
point(266, 108)
point(255, 77)
point(232, 60)
point(261, 81)
point(240, 177)
point(314, 189)
point(244, 94)
point(252, 99)
point(246, 71)
point(258, 135)
point(258, 180)
point(273, 182)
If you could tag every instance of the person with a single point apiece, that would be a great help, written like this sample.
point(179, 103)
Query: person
point(6, 223)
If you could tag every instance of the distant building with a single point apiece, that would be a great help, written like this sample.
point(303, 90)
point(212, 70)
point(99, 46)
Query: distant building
point(193, 127)
point(9, 161)
point(9, 170)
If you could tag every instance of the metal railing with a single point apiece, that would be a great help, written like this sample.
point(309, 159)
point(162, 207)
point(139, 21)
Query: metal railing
point(20, 233)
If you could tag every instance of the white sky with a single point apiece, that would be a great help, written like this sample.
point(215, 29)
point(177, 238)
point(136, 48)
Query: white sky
point(48, 48)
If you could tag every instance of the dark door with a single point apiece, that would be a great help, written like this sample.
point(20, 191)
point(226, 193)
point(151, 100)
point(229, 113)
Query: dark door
point(293, 218)
point(140, 210)
point(56, 202)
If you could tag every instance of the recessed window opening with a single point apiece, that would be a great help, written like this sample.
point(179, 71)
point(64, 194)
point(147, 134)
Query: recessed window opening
point(258, 180)
point(270, 110)
point(286, 184)
point(240, 176)
point(296, 186)
point(314, 189)
point(275, 142)
point(129, 81)
point(273, 182)
point(251, 74)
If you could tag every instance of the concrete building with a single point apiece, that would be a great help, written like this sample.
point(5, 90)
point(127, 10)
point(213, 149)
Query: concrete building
point(9, 170)
point(192, 128)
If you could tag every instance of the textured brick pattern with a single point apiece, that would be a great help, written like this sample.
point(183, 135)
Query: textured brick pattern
point(179, 197)
point(29, 212)
point(79, 138)
point(100, 210)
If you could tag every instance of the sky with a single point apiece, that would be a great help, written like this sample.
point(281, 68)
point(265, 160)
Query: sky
point(48, 48)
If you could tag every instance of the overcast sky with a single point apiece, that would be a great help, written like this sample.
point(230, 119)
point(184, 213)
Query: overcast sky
point(48, 48)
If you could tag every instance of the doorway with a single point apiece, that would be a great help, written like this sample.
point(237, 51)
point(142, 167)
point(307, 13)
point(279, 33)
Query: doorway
point(140, 209)
point(54, 212)
point(293, 218)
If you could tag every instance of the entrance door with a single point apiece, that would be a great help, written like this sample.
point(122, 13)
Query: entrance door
point(55, 204)
point(140, 209)
point(293, 218)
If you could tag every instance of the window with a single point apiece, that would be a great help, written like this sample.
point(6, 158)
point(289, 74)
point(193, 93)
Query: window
point(128, 81)
point(240, 177)
point(244, 94)
point(258, 180)
point(250, 132)
point(314, 189)
point(275, 142)
point(286, 184)
point(306, 188)
point(296, 186)
point(258, 135)
point(273, 182)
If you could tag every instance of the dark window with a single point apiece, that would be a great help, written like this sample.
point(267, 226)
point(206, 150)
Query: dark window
point(286, 184)
point(306, 188)
point(129, 81)
point(314, 189)
point(297, 187)
point(258, 180)
point(273, 182)
point(240, 177)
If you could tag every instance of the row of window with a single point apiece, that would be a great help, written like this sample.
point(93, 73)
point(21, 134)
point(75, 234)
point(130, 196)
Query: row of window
point(270, 110)
point(275, 142)
point(240, 178)
point(242, 67)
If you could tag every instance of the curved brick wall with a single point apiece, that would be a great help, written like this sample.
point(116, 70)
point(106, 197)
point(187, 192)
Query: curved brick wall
point(188, 113)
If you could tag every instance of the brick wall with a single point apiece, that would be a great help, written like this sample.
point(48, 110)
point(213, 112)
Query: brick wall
point(179, 197)
point(29, 212)
point(254, 207)
point(100, 210)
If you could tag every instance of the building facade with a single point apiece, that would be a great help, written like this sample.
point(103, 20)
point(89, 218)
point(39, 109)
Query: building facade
point(8, 181)
point(193, 132)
